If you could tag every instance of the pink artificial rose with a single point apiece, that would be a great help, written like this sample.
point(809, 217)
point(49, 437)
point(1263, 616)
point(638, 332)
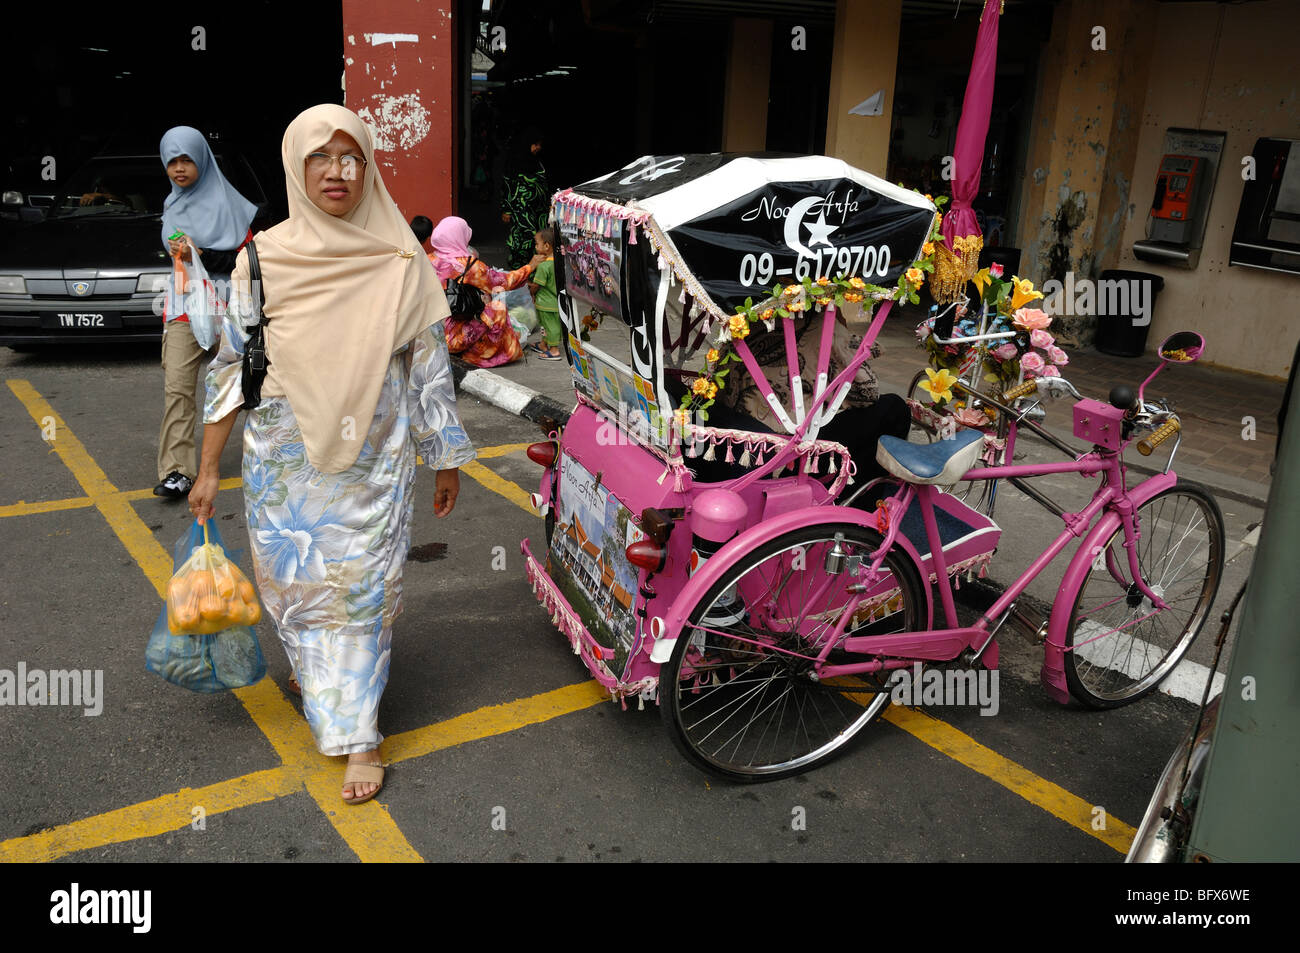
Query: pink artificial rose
point(1041, 339)
point(995, 270)
point(1031, 363)
point(1050, 371)
point(1005, 352)
point(1031, 319)
point(1057, 355)
point(971, 418)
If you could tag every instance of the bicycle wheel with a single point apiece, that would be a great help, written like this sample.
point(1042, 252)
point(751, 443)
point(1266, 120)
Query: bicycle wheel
point(1117, 650)
point(737, 694)
point(977, 494)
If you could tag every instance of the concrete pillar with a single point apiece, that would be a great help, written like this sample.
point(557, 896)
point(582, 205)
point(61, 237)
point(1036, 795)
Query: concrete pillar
point(864, 59)
point(1083, 141)
point(399, 77)
point(749, 75)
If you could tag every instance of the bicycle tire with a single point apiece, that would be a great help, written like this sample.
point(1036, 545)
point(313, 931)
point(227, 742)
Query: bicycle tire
point(1109, 670)
point(693, 696)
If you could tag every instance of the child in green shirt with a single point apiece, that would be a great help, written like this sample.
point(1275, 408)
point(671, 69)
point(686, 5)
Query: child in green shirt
point(544, 296)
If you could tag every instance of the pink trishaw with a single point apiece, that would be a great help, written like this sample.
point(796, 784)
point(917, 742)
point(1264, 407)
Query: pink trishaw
point(766, 611)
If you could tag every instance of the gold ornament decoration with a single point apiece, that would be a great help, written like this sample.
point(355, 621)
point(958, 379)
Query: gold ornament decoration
point(953, 267)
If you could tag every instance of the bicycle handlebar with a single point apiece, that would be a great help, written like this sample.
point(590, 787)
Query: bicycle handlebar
point(1159, 436)
point(1020, 390)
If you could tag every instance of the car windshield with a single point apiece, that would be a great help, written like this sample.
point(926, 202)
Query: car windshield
point(135, 185)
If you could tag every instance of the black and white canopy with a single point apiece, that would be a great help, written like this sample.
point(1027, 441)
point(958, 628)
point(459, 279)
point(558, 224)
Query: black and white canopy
point(732, 226)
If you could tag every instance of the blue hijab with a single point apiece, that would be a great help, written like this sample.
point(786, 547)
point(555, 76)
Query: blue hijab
point(210, 211)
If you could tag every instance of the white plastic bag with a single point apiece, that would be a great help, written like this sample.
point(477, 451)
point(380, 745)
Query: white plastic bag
point(203, 304)
point(520, 310)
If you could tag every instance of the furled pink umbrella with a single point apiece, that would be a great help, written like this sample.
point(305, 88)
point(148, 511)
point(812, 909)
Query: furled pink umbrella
point(957, 258)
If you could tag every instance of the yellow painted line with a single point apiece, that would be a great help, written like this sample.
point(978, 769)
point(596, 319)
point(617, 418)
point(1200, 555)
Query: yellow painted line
point(500, 450)
point(265, 703)
point(497, 484)
point(1052, 798)
point(367, 828)
point(121, 516)
point(161, 815)
point(493, 720)
point(23, 508)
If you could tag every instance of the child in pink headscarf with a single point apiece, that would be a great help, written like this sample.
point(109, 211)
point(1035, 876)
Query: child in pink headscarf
point(485, 340)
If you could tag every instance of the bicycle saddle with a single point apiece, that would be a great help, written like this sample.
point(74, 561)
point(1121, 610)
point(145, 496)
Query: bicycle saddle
point(942, 462)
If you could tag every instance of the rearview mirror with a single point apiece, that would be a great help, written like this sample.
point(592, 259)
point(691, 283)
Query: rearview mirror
point(1182, 347)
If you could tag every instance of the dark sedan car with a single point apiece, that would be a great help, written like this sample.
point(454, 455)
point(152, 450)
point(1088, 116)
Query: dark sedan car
point(95, 268)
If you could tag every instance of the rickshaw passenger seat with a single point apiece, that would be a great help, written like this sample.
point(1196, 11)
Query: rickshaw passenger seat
point(942, 462)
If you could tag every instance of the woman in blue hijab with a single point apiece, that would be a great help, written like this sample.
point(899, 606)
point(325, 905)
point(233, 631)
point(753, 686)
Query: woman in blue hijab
point(214, 219)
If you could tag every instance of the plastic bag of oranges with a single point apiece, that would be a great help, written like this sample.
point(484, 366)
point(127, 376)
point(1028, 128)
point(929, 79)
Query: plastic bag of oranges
point(208, 593)
point(203, 639)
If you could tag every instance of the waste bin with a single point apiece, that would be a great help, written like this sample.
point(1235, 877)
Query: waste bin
point(1125, 298)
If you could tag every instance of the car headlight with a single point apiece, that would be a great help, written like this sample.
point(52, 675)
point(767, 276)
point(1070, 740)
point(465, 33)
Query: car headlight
point(12, 285)
point(153, 282)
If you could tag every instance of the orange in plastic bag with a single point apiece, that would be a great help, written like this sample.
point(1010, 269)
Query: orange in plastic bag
point(209, 594)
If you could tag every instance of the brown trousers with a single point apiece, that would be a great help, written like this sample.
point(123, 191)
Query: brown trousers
point(183, 364)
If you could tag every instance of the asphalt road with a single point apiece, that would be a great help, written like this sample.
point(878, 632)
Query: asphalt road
point(502, 747)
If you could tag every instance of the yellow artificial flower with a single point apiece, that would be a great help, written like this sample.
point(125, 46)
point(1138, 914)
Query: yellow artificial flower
point(768, 314)
point(927, 249)
point(916, 276)
point(1023, 294)
point(682, 417)
point(792, 290)
point(795, 306)
point(823, 301)
point(712, 356)
point(701, 385)
point(939, 385)
point(857, 282)
point(739, 326)
point(823, 280)
point(711, 391)
point(981, 278)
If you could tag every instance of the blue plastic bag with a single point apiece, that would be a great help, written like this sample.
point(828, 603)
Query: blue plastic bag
point(231, 658)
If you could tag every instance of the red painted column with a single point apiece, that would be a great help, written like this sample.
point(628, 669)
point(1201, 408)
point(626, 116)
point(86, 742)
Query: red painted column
point(400, 78)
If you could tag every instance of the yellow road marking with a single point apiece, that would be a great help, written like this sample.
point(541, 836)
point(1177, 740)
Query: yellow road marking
point(372, 840)
point(367, 824)
point(511, 491)
point(494, 720)
point(368, 829)
point(1052, 798)
point(501, 449)
point(161, 815)
point(23, 508)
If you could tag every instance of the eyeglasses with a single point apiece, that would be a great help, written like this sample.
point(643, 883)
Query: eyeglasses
point(349, 164)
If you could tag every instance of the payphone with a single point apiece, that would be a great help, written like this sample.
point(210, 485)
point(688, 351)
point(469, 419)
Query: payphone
point(1180, 198)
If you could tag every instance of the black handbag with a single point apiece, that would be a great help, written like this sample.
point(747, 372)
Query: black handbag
point(255, 362)
point(464, 301)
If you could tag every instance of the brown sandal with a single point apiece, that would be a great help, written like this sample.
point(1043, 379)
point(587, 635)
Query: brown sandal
point(372, 773)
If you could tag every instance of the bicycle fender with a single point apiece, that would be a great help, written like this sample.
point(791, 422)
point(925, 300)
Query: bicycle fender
point(1053, 672)
point(748, 540)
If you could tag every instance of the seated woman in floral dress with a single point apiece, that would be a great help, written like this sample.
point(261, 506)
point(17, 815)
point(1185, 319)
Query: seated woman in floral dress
point(487, 340)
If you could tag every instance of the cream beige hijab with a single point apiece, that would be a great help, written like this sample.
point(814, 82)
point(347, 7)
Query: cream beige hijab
point(342, 294)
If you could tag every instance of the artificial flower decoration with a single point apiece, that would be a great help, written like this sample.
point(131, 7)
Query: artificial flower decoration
point(1024, 293)
point(1031, 319)
point(916, 276)
point(1041, 339)
point(712, 356)
point(981, 281)
point(995, 270)
point(739, 327)
point(939, 385)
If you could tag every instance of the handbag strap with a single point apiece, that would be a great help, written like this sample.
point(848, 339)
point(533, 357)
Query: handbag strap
point(255, 281)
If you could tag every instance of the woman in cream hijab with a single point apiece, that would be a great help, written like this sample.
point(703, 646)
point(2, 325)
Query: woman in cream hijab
point(358, 384)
